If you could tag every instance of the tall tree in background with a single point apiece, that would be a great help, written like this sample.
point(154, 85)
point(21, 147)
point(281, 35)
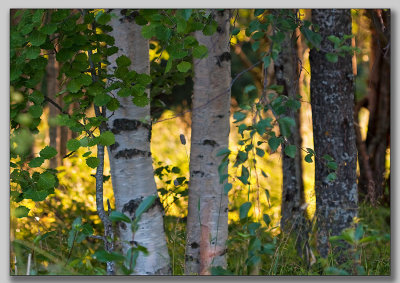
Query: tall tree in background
point(286, 74)
point(130, 156)
point(207, 221)
point(372, 151)
point(332, 100)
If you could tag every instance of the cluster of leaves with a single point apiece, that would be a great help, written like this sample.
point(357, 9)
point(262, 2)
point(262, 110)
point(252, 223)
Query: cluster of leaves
point(353, 241)
point(175, 186)
point(170, 32)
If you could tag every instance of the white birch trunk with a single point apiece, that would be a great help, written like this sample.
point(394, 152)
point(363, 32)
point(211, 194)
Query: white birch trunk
point(207, 221)
point(130, 157)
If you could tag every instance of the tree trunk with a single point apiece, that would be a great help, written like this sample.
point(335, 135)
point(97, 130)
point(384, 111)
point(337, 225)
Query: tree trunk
point(293, 189)
point(332, 101)
point(293, 216)
point(378, 135)
point(130, 157)
point(207, 221)
point(52, 90)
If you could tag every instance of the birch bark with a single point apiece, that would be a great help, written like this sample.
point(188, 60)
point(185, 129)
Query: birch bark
point(130, 157)
point(207, 221)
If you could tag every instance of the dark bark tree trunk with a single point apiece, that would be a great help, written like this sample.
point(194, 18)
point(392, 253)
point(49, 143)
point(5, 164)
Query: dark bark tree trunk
point(332, 101)
point(293, 189)
point(372, 162)
point(52, 90)
point(207, 221)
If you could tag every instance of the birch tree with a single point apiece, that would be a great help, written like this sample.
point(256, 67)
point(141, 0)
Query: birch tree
point(332, 98)
point(207, 221)
point(130, 156)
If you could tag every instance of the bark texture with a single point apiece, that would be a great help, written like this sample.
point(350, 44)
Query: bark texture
point(373, 149)
point(207, 221)
point(293, 189)
point(52, 90)
point(293, 219)
point(332, 98)
point(130, 157)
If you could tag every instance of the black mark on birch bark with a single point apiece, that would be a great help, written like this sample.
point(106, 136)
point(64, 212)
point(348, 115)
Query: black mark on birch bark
point(114, 146)
point(201, 173)
point(129, 153)
point(226, 56)
point(210, 142)
point(194, 245)
point(120, 125)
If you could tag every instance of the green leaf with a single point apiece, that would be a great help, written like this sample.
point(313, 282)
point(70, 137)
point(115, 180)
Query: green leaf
point(262, 125)
point(332, 165)
point(119, 216)
point(359, 232)
point(331, 57)
point(267, 61)
point(260, 152)
point(92, 162)
point(144, 206)
point(143, 79)
point(123, 61)
point(37, 38)
point(48, 152)
point(84, 79)
point(107, 138)
point(64, 55)
point(125, 92)
point(267, 219)
point(86, 154)
point(101, 99)
point(244, 210)
point(274, 143)
point(46, 181)
point(74, 86)
point(36, 195)
point(73, 145)
point(169, 66)
point(239, 116)
point(327, 157)
point(48, 28)
point(104, 256)
point(36, 97)
point(148, 31)
point(184, 66)
point(308, 158)
point(245, 176)
point(140, 101)
point(102, 18)
point(290, 150)
point(200, 51)
point(285, 125)
point(331, 177)
point(235, 31)
point(227, 188)
point(257, 35)
point(36, 162)
point(32, 52)
point(175, 170)
point(113, 104)
point(36, 111)
point(223, 151)
point(21, 211)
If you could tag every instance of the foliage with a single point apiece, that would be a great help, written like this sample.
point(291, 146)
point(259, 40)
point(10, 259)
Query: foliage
point(62, 232)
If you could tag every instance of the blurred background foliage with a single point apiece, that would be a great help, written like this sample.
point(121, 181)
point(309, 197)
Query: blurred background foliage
point(75, 195)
